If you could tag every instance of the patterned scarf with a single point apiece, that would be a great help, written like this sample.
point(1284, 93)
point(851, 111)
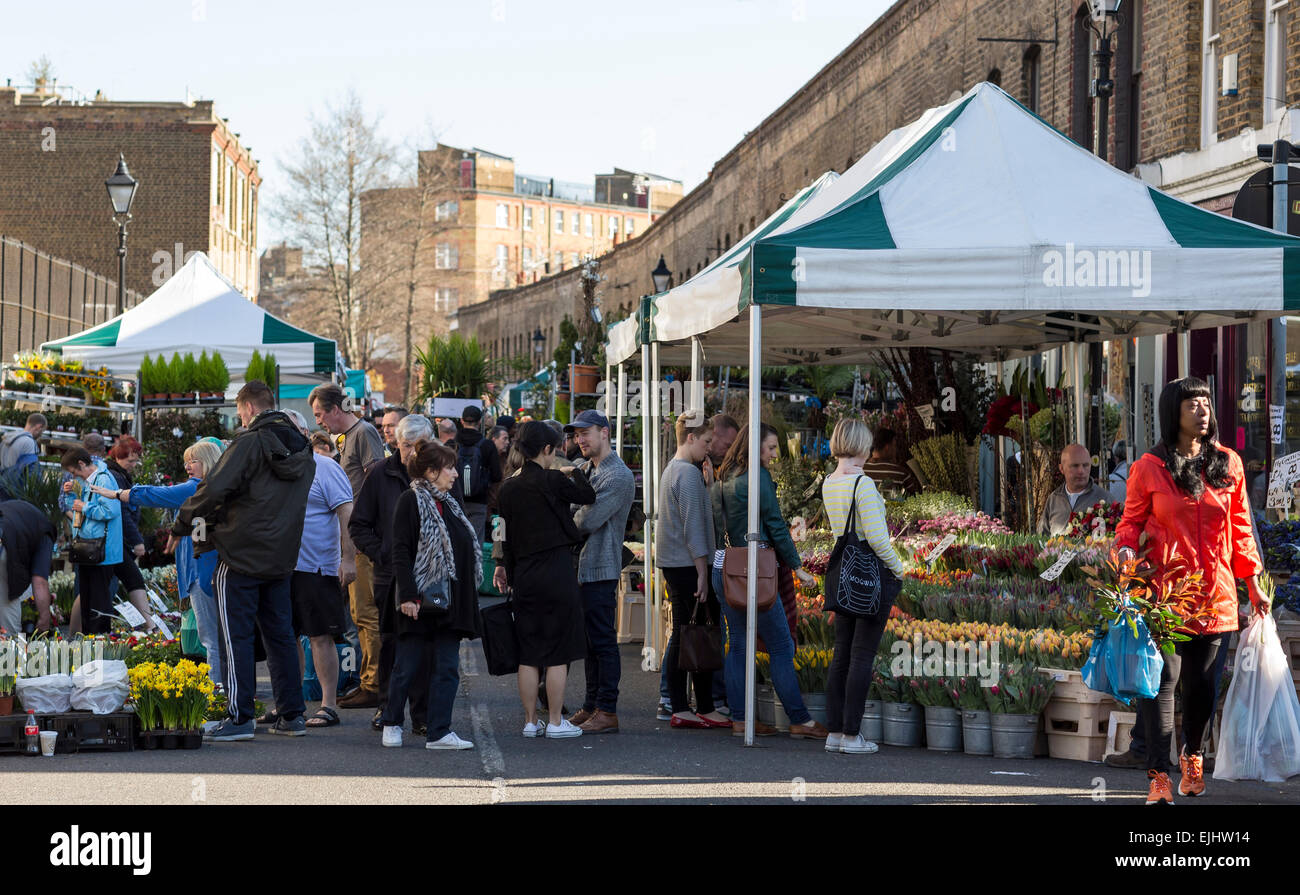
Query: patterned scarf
point(434, 559)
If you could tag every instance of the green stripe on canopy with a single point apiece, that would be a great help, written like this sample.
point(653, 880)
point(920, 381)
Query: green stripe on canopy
point(104, 334)
point(1195, 228)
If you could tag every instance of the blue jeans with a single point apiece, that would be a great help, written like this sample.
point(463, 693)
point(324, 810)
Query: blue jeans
point(775, 631)
point(209, 626)
point(241, 600)
point(442, 650)
point(603, 666)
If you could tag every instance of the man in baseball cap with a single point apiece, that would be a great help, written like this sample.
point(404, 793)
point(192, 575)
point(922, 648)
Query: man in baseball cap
point(600, 565)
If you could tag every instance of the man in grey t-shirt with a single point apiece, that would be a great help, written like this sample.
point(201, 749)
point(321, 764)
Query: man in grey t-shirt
point(359, 446)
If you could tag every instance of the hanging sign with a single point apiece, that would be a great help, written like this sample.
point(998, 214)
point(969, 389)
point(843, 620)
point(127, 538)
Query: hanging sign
point(1054, 571)
point(130, 614)
point(162, 626)
point(926, 413)
point(1286, 471)
point(1276, 417)
point(943, 545)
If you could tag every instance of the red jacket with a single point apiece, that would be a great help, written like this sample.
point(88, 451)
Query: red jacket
point(1213, 533)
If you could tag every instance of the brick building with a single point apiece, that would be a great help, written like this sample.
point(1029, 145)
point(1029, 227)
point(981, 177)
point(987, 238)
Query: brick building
point(1170, 123)
point(198, 184)
point(487, 226)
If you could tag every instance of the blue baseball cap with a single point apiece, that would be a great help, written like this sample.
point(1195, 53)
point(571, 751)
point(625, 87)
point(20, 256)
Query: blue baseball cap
point(586, 419)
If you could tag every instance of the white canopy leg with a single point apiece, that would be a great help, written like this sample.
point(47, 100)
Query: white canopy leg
point(751, 526)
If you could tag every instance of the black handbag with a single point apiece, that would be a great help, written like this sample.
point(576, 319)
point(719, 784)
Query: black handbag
point(435, 596)
point(699, 645)
point(86, 551)
point(500, 640)
point(858, 584)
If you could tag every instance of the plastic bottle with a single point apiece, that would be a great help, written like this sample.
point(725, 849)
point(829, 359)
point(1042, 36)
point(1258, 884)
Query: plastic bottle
point(32, 733)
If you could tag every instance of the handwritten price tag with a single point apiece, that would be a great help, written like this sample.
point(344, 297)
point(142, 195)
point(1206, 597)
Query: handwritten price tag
point(1054, 571)
point(162, 626)
point(943, 545)
point(156, 602)
point(130, 614)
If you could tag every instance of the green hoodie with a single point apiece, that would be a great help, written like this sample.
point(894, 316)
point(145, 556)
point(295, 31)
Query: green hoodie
point(733, 494)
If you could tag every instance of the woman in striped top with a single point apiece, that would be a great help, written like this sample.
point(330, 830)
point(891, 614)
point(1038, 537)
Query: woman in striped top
point(856, 639)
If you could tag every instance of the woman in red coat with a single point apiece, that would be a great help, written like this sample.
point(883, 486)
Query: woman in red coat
point(1189, 496)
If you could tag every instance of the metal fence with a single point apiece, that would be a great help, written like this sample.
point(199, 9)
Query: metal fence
point(44, 298)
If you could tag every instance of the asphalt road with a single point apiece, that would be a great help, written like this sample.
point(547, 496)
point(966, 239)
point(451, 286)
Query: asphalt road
point(647, 762)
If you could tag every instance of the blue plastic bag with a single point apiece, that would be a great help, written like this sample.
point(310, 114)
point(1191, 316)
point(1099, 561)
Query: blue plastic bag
point(1122, 665)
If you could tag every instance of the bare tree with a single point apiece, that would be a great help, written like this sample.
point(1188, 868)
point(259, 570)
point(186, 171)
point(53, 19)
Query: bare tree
point(342, 157)
point(41, 72)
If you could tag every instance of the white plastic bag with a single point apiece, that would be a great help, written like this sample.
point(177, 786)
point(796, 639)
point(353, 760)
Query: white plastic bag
point(100, 686)
point(1260, 732)
point(46, 694)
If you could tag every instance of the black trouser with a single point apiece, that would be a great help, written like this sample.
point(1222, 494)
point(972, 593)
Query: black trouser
point(681, 592)
point(1139, 744)
point(434, 656)
point(856, 641)
point(1190, 666)
point(418, 691)
point(96, 600)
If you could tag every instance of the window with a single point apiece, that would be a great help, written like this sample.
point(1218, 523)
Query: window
point(446, 299)
point(216, 177)
point(573, 258)
point(1029, 67)
point(995, 77)
point(503, 214)
point(528, 217)
point(628, 225)
point(502, 260)
point(613, 226)
point(240, 203)
point(446, 211)
point(1209, 72)
point(230, 194)
point(446, 256)
point(586, 225)
point(528, 258)
point(559, 262)
point(574, 228)
point(559, 221)
point(1275, 29)
point(541, 218)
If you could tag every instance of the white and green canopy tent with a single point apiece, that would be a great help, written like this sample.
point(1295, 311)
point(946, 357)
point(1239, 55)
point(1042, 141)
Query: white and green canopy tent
point(198, 309)
point(979, 227)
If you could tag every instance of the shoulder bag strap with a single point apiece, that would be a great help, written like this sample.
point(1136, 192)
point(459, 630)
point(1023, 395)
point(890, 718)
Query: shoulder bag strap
point(851, 527)
point(726, 527)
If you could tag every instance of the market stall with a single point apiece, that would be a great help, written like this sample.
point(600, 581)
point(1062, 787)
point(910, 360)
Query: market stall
point(980, 228)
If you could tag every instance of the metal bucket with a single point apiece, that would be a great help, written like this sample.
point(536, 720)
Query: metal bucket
point(942, 728)
point(873, 726)
point(1014, 735)
point(903, 724)
point(977, 734)
point(763, 697)
point(816, 705)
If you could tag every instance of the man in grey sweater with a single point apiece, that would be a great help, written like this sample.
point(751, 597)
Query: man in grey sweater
point(599, 567)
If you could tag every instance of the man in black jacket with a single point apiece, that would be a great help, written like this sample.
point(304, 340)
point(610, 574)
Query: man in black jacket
point(480, 455)
point(250, 509)
point(26, 547)
point(371, 528)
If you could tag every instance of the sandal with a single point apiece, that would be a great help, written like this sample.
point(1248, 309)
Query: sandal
point(270, 716)
point(324, 717)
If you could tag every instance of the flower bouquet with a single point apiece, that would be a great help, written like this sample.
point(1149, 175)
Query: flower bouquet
point(812, 668)
point(1097, 521)
point(1021, 690)
point(171, 699)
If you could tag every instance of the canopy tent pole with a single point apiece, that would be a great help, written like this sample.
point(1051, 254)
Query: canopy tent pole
point(621, 397)
point(647, 506)
point(751, 526)
point(724, 373)
point(1184, 354)
point(1002, 454)
point(1075, 356)
point(655, 439)
point(695, 400)
point(608, 386)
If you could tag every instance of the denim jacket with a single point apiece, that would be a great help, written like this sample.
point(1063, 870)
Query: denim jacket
point(189, 569)
point(103, 515)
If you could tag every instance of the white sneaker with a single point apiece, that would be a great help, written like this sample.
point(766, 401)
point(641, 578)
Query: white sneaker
point(392, 736)
point(833, 742)
point(536, 729)
point(562, 730)
point(450, 741)
point(858, 746)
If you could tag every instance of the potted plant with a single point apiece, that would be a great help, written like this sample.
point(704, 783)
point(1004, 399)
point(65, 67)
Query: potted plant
point(942, 720)
point(976, 733)
point(220, 377)
point(145, 377)
point(812, 668)
point(1016, 701)
point(191, 370)
point(211, 388)
point(902, 722)
point(6, 694)
point(872, 728)
point(271, 372)
point(255, 368)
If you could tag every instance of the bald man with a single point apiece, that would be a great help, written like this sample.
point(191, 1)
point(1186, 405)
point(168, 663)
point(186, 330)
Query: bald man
point(1078, 493)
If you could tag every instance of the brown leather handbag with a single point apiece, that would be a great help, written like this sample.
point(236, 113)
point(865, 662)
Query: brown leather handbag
point(735, 571)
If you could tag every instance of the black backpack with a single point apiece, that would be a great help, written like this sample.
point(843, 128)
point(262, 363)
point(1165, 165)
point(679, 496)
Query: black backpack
point(474, 475)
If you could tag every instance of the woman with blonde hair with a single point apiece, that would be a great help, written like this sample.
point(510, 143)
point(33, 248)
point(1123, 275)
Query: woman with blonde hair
point(193, 572)
point(849, 490)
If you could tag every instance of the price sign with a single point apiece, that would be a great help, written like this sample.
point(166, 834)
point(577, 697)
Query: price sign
point(1276, 417)
point(130, 614)
point(943, 545)
point(1054, 571)
point(162, 626)
point(156, 601)
point(1286, 471)
point(926, 413)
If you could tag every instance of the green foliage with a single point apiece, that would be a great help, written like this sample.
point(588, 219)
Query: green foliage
point(1020, 690)
point(798, 487)
point(271, 372)
point(593, 344)
point(190, 368)
point(177, 377)
point(220, 373)
point(944, 462)
point(455, 367)
point(164, 450)
point(255, 369)
point(146, 376)
point(41, 489)
point(929, 505)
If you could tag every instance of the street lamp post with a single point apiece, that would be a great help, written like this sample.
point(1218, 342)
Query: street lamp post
point(121, 192)
point(661, 275)
point(1102, 22)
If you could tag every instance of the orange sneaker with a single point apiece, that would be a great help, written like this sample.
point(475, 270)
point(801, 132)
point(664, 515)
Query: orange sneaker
point(1161, 789)
point(1192, 768)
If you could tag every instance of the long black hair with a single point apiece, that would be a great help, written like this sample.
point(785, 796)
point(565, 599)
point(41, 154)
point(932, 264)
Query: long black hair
point(534, 437)
point(1211, 464)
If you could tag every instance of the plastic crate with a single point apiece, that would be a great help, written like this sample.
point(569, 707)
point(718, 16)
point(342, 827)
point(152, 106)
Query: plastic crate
point(78, 732)
point(1074, 747)
point(1092, 719)
point(1071, 688)
point(12, 739)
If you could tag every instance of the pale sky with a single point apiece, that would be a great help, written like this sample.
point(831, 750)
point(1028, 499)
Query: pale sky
point(568, 88)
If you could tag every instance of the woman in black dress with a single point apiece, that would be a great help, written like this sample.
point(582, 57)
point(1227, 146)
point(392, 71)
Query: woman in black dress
point(434, 549)
point(539, 569)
